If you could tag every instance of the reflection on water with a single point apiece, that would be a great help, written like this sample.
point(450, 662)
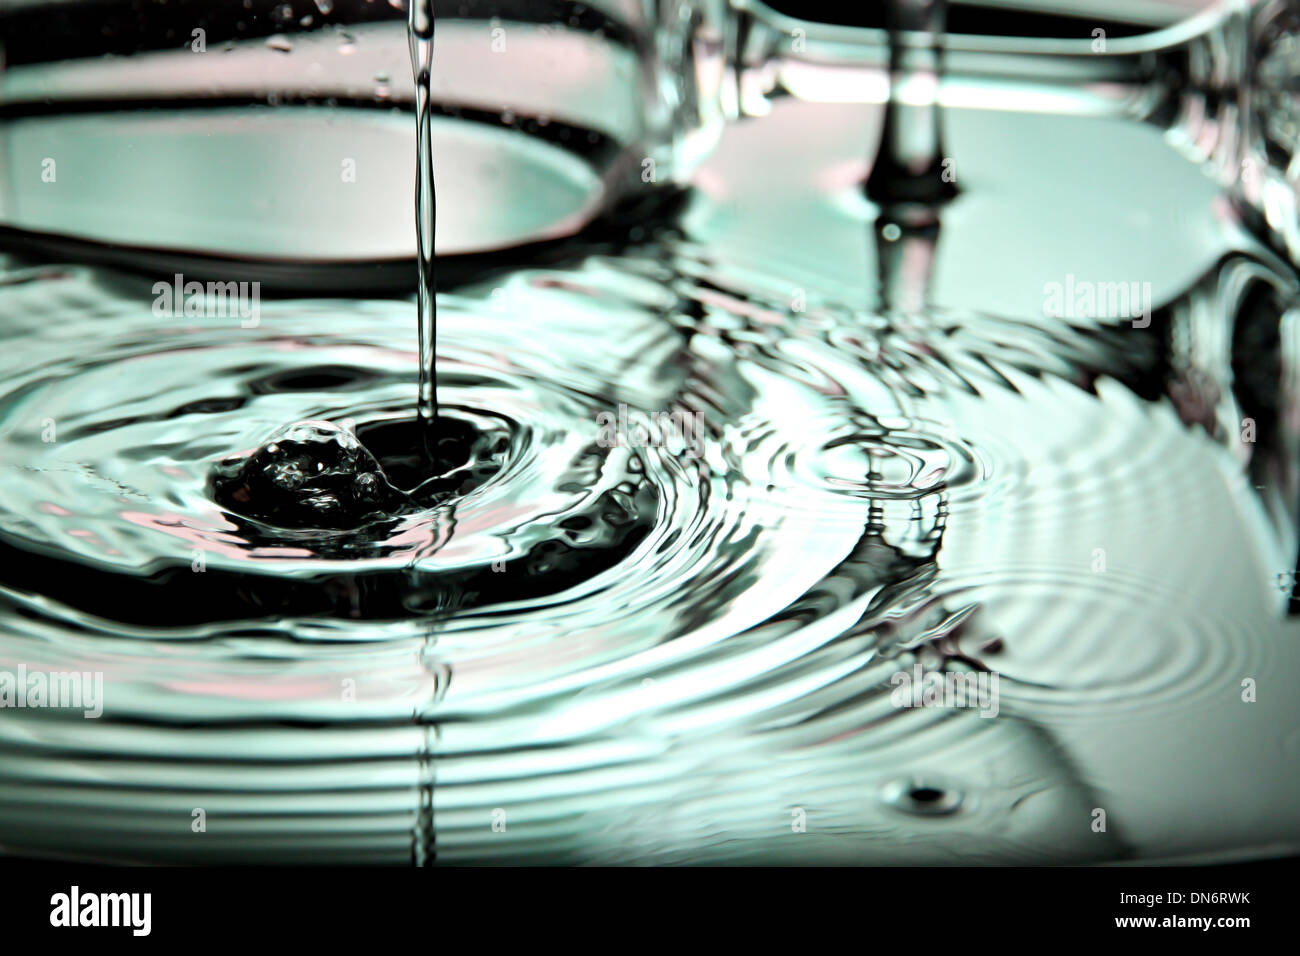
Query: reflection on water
point(590, 651)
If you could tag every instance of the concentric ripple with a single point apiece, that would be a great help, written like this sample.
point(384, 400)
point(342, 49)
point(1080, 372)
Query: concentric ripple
point(654, 610)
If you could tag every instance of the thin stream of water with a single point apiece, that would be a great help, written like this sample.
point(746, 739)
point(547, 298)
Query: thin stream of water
point(420, 36)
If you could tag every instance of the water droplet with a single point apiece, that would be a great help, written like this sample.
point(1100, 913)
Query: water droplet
point(280, 43)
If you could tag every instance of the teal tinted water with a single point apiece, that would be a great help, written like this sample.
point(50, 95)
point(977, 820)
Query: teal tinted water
point(677, 651)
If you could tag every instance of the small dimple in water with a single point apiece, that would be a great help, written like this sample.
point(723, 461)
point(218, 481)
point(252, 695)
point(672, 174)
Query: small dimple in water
point(922, 797)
